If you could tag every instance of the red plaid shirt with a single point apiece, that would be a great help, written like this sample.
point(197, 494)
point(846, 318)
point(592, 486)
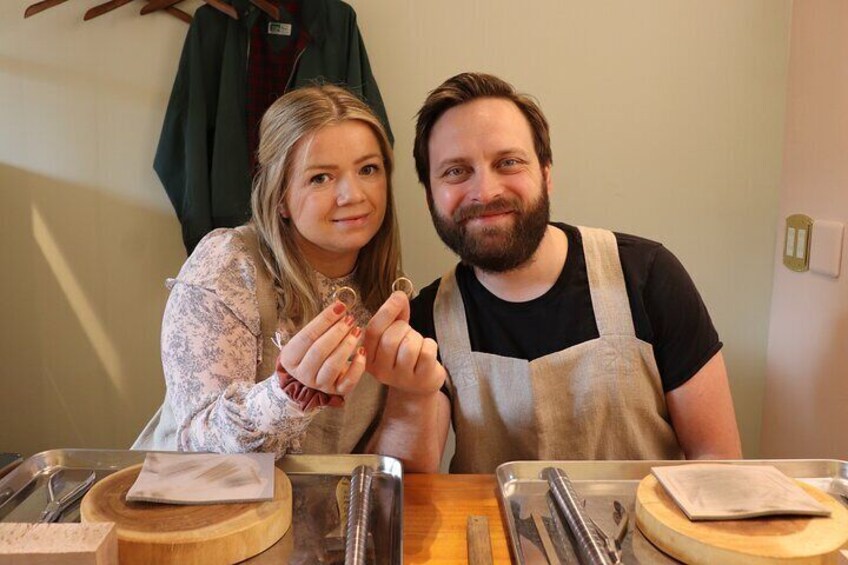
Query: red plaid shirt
point(270, 66)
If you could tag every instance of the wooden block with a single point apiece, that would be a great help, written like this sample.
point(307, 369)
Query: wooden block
point(479, 541)
point(58, 544)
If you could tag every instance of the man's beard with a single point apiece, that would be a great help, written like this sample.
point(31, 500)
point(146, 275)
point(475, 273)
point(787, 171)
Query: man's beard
point(495, 249)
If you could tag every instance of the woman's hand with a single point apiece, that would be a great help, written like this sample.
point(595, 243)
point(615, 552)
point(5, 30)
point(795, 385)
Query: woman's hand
point(324, 355)
point(397, 355)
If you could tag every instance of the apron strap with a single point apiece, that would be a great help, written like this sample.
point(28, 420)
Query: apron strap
point(451, 326)
point(265, 295)
point(606, 282)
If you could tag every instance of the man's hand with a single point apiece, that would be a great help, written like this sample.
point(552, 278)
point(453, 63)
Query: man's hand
point(323, 355)
point(397, 355)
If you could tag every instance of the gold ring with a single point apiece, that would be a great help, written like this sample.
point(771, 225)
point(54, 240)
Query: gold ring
point(404, 285)
point(346, 296)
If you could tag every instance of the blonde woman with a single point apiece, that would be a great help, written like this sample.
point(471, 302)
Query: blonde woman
point(258, 353)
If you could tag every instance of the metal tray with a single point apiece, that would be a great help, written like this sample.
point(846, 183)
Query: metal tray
point(8, 461)
point(315, 512)
point(599, 483)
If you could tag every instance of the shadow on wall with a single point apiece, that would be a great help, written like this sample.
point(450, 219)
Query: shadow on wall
point(808, 398)
point(82, 299)
point(831, 393)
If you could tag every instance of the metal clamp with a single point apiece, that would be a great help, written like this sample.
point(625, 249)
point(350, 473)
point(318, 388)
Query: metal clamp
point(613, 542)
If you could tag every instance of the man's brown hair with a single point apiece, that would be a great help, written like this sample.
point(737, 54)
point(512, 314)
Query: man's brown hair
point(466, 87)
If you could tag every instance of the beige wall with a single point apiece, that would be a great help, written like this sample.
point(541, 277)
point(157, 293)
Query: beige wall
point(806, 385)
point(667, 122)
point(87, 235)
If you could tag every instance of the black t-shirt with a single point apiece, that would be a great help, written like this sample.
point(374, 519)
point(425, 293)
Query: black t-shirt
point(667, 310)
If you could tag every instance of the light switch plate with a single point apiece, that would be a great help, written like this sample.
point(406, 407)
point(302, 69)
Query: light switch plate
point(826, 248)
point(796, 247)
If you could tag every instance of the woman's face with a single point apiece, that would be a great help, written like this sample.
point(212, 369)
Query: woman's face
point(337, 193)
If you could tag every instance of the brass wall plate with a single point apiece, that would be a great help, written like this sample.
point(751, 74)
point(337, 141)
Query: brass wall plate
point(796, 243)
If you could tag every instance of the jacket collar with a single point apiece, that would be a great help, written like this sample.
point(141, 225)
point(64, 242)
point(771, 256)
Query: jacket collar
point(312, 14)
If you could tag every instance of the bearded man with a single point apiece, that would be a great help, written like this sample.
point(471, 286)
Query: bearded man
point(560, 342)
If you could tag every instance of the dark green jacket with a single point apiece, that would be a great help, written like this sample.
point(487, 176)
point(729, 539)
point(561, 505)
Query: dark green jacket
point(202, 158)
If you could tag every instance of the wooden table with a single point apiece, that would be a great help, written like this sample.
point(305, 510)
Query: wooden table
point(435, 514)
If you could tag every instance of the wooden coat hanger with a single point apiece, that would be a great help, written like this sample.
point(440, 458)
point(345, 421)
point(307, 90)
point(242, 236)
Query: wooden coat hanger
point(266, 6)
point(154, 5)
point(98, 10)
point(269, 8)
point(103, 8)
point(41, 6)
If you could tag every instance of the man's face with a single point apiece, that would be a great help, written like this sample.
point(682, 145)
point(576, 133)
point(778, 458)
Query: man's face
point(488, 193)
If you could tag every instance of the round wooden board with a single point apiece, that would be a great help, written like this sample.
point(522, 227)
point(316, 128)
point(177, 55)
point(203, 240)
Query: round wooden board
point(178, 533)
point(784, 539)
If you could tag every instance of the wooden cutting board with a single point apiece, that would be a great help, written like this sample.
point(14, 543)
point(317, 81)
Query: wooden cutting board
point(185, 534)
point(800, 540)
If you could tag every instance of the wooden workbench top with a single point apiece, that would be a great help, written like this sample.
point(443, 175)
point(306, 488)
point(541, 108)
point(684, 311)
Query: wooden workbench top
point(435, 513)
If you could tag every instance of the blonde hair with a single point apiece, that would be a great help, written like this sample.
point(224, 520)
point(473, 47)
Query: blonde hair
point(295, 116)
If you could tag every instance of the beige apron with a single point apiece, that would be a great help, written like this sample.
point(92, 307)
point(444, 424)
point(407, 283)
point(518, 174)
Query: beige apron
point(601, 399)
point(332, 431)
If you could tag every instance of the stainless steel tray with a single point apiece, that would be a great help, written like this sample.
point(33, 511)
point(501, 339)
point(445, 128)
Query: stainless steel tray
point(315, 512)
point(599, 483)
point(8, 461)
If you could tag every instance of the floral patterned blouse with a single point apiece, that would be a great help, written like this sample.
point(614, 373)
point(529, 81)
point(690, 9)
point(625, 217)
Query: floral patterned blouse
point(218, 394)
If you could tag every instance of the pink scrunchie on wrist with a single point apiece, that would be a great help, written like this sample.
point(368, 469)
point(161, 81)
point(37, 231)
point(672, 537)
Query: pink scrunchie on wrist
point(304, 397)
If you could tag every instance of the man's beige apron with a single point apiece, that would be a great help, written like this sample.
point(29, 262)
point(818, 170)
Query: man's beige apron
point(601, 399)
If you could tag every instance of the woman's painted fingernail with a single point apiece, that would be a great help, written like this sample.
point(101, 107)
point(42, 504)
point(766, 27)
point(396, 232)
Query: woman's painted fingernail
point(356, 331)
point(361, 351)
point(348, 320)
point(338, 308)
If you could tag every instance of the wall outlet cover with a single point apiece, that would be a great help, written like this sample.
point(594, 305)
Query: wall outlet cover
point(826, 247)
